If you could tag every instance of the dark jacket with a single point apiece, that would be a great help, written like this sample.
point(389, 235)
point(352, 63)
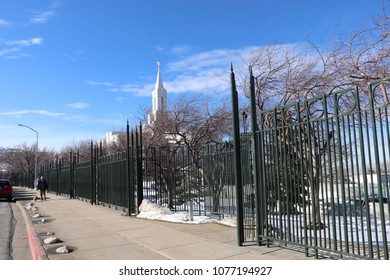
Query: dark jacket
point(42, 185)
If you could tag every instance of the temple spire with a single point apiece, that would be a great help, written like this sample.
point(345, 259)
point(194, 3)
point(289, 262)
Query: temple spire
point(159, 83)
point(159, 95)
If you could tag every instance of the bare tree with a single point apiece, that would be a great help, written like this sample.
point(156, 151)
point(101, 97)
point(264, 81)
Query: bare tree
point(191, 123)
point(285, 74)
point(365, 54)
point(291, 73)
point(81, 149)
point(21, 158)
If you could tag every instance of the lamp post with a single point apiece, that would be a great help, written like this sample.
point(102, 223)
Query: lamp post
point(244, 118)
point(36, 154)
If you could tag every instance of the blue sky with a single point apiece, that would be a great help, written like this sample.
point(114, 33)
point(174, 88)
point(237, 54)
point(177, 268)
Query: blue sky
point(76, 69)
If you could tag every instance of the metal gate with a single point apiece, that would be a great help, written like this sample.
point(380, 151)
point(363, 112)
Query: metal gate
point(320, 173)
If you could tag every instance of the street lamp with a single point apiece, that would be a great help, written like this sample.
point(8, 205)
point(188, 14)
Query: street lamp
point(36, 154)
point(244, 118)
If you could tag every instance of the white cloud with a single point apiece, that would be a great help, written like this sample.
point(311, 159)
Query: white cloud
point(138, 90)
point(181, 50)
point(22, 43)
point(203, 72)
point(56, 4)
point(206, 72)
point(3, 22)
point(78, 105)
point(200, 72)
point(18, 113)
point(203, 82)
point(203, 60)
point(76, 55)
point(42, 17)
point(219, 58)
point(36, 41)
point(16, 46)
point(93, 83)
point(8, 51)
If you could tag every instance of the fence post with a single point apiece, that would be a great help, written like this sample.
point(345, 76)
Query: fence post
point(260, 194)
point(237, 160)
point(57, 174)
point(93, 185)
point(140, 189)
point(130, 180)
point(141, 156)
point(72, 170)
point(377, 158)
point(59, 170)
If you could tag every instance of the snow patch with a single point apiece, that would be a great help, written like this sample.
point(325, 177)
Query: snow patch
point(152, 211)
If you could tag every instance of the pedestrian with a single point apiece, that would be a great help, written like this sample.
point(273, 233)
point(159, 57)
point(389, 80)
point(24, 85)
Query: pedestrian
point(42, 187)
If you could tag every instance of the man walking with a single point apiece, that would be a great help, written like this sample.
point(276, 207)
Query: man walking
point(42, 187)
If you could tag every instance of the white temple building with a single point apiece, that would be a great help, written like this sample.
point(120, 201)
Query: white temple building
point(159, 110)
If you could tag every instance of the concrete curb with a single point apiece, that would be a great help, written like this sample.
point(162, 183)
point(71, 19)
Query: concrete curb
point(37, 250)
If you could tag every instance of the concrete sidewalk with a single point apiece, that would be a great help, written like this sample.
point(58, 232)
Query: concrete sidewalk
point(95, 232)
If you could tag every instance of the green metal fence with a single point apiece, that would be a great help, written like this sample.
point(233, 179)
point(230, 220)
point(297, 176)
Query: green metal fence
point(112, 179)
point(109, 180)
point(321, 177)
point(171, 178)
point(83, 180)
point(219, 185)
point(201, 181)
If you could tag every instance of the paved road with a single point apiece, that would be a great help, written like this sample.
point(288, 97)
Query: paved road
point(14, 243)
point(6, 230)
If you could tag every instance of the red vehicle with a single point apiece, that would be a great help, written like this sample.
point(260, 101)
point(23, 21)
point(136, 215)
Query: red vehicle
point(6, 189)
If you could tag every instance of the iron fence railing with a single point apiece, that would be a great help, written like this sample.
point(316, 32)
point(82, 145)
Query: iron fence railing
point(171, 176)
point(322, 174)
point(112, 180)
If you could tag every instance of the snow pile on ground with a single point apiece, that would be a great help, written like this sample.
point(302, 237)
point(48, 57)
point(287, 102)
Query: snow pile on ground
point(228, 221)
point(152, 211)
